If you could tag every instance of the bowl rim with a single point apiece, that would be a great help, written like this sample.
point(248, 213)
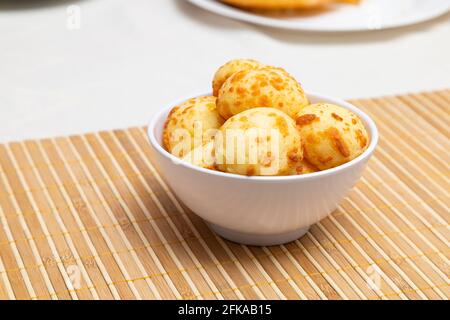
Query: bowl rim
point(367, 120)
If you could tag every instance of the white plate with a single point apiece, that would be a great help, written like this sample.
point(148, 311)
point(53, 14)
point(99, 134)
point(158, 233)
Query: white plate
point(369, 15)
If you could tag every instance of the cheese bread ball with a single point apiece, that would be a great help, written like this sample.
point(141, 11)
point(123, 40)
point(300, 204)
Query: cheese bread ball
point(259, 142)
point(230, 68)
point(283, 4)
point(331, 135)
point(266, 87)
point(191, 124)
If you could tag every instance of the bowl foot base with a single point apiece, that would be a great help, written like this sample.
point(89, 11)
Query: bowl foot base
point(257, 239)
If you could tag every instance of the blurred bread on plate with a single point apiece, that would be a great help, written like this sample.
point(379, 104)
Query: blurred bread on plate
point(284, 4)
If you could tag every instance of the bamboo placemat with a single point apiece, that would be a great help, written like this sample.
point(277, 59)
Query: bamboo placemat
point(88, 217)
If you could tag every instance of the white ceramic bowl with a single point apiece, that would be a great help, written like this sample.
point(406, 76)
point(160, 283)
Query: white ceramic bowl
point(260, 210)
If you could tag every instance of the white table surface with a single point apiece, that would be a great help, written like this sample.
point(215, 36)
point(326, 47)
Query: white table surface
point(130, 58)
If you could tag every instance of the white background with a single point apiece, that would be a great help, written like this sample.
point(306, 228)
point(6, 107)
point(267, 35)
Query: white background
point(132, 57)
